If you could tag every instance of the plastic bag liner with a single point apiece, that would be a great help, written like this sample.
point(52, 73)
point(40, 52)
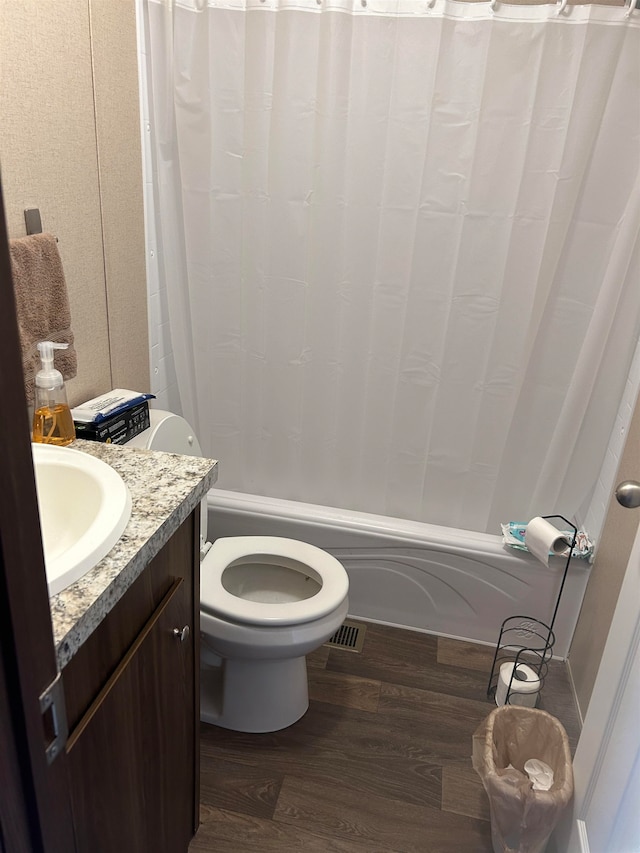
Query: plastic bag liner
point(522, 819)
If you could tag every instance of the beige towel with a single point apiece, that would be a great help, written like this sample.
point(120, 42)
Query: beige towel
point(42, 304)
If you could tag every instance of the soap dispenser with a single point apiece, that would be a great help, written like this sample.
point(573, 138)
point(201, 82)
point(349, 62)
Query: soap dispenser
point(52, 420)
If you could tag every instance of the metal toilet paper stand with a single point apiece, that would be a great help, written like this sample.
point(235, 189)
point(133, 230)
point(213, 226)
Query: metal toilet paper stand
point(525, 640)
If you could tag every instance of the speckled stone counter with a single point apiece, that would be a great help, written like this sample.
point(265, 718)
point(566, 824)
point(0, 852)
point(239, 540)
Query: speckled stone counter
point(165, 489)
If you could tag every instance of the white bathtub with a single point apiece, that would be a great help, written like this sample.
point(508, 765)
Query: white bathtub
point(440, 580)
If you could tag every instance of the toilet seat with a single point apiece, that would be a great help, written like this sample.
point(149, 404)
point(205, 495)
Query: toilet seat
point(215, 599)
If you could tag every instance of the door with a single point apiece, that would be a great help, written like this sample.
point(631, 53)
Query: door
point(606, 817)
point(34, 806)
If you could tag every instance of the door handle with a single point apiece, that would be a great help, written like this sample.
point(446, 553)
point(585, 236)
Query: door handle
point(628, 494)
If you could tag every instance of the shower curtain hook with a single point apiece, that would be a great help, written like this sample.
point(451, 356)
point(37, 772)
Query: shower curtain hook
point(493, 4)
point(563, 4)
point(431, 4)
point(631, 5)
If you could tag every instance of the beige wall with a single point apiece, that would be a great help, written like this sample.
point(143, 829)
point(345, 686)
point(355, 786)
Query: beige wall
point(70, 145)
point(606, 576)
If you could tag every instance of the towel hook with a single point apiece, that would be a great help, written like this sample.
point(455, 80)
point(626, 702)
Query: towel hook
point(33, 221)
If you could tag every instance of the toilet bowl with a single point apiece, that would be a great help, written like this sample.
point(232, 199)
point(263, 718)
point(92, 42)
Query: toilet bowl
point(265, 603)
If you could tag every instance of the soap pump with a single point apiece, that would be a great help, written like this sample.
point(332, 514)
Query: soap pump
point(52, 420)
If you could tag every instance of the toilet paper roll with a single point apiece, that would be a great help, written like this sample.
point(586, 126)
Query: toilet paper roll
point(525, 685)
point(541, 537)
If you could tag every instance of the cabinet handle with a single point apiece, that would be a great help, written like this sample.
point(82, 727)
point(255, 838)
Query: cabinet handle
point(181, 633)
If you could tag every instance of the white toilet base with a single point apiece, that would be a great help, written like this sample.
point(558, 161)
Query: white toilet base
point(254, 695)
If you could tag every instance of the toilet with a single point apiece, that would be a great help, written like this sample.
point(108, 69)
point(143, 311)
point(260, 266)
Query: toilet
point(265, 603)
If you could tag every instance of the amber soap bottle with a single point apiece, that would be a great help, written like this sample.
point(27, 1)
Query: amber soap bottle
point(52, 420)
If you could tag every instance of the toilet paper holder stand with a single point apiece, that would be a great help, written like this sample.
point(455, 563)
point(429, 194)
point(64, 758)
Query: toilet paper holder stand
point(526, 640)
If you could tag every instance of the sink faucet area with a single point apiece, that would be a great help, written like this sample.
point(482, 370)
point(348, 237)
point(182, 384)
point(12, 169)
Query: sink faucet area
point(84, 508)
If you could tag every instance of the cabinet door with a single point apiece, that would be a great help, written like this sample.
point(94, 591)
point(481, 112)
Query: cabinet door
point(131, 758)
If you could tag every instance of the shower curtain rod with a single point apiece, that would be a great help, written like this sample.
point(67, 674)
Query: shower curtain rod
point(411, 8)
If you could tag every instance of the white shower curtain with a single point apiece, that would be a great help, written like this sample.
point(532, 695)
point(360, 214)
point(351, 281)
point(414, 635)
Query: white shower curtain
point(401, 246)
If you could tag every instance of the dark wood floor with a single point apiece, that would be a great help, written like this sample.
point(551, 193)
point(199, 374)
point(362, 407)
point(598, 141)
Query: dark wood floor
point(379, 764)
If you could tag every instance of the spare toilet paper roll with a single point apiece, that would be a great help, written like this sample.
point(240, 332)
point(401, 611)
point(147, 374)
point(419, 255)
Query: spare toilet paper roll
point(541, 537)
point(525, 685)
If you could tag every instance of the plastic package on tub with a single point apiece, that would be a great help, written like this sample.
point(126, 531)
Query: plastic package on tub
point(522, 819)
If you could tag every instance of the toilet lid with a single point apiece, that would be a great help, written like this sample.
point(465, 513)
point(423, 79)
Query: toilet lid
point(271, 551)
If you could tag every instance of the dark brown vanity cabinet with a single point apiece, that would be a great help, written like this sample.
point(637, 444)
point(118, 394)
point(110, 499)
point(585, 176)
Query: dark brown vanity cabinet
point(131, 693)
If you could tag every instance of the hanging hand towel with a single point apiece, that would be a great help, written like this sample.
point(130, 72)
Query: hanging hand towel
point(42, 304)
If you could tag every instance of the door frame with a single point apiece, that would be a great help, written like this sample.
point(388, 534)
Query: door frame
point(36, 814)
point(606, 758)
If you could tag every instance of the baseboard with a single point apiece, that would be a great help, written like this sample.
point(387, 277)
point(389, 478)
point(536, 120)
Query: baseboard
point(582, 836)
point(575, 694)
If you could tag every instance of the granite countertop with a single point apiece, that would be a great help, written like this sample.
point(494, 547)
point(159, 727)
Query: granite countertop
point(165, 488)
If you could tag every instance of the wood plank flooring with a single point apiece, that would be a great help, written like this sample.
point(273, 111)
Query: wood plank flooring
point(380, 763)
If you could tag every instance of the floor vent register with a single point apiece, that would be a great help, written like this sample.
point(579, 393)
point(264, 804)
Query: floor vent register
point(349, 636)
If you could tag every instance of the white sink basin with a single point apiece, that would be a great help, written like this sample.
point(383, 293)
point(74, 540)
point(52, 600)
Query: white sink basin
point(84, 509)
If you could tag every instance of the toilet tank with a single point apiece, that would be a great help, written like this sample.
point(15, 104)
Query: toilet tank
point(171, 434)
